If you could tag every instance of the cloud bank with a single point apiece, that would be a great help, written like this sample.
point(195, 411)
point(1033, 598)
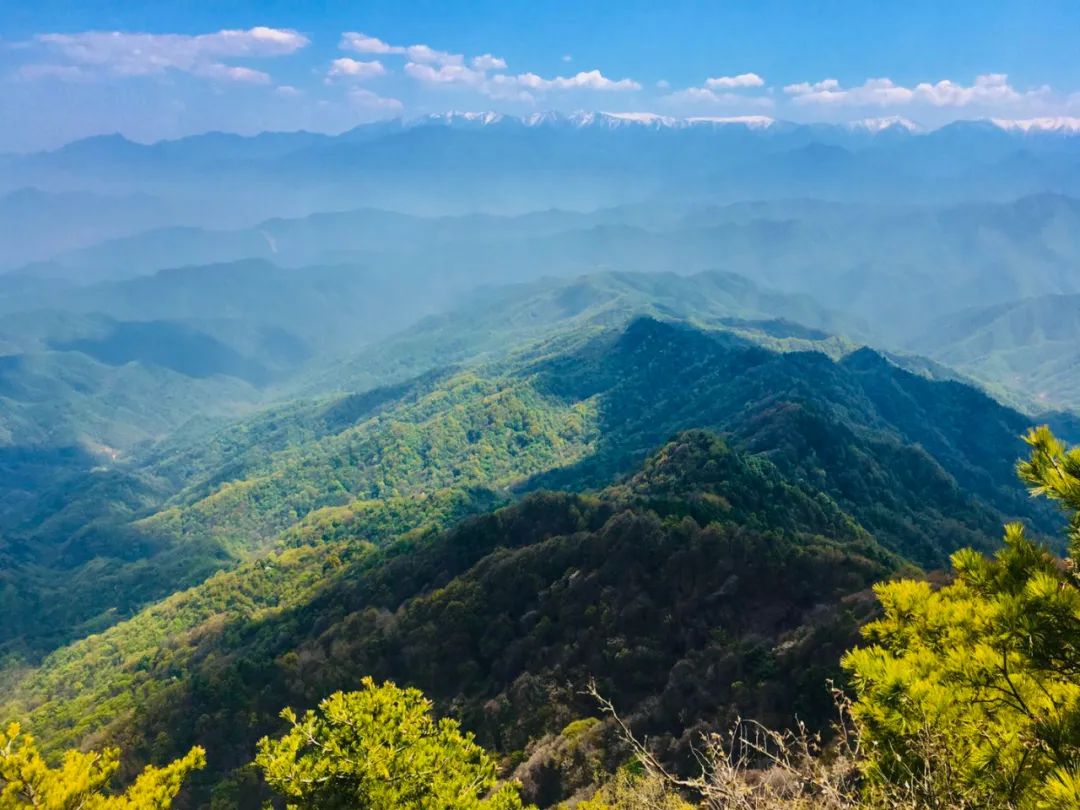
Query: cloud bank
point(117, 53)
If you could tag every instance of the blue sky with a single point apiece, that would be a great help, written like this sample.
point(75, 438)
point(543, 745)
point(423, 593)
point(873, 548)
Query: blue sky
point(166, 69)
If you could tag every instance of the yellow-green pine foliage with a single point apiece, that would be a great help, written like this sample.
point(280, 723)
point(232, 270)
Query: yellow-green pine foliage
point(969, 695)
point(82, 779)
point(380, 748)
point(631, 791)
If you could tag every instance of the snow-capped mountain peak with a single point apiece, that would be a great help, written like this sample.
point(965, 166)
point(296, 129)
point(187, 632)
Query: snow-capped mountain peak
point(887, 122)
point(457, 117)
point(1063, 125)
point(585, 119)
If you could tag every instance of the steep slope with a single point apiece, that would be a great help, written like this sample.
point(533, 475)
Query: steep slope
point(624, 392)
point(125, 381)
point(1026, 350)
point(492, 322)
point(421, 447)
point(507, 617)
point(921, 467)
point(575, 409)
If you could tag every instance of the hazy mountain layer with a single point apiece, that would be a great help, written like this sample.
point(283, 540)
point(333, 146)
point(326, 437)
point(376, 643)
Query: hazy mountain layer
point(1027, 350)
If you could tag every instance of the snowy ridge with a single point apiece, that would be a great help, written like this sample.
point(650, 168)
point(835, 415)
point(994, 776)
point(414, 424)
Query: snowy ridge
point(590, 119)
point(882, 124)
point(1063, 125)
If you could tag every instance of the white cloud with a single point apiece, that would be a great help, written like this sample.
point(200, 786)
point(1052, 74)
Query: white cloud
point(585, 80)
point(444, 74)
point(728, 82)
point(987, 89)
point(506, 88)
point(720, 90)
point(362, 43)
point(233, 73)
point(488, 62)
point(803, 88)
point(426, 55)
point(482, 73)
point(361, 97)
point(992, 87)
point(663, 84)
point(346, 68)
point(141, 54)
point(287, 91)
point(703, 95)
point(65, 73)
point(567, 57)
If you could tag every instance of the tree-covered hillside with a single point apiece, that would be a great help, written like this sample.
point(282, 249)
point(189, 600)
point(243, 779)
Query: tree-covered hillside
point(691, 590)
point(924, 465)
point(844, 468)
point(78, 468)
point(1024, 351)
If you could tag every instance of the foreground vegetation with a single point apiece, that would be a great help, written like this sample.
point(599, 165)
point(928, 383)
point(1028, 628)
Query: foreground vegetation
point(83, 779)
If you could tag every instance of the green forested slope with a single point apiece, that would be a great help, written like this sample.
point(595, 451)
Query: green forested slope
point(580, 416)
point(1024, 351)
point(691, 589)
point(851, 466)
point(456, 444)
point(228, 489)
point(924, 465)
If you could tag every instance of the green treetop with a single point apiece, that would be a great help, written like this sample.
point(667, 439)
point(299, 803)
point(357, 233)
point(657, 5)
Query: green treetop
point(381, 749)
point(81, 780)
point(969, 695)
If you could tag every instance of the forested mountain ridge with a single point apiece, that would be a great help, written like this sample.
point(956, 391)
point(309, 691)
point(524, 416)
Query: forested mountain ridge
point(379, 433)
point(695, 507)
point(83, 366)
point(571, 412)
point(921, 467)
point(283, 300)
point(70, 508)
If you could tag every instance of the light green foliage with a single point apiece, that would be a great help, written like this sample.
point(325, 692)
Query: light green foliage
point(627, 790)
point(971, 693)
point(422, 466)
point(1054, 471)
point(87, 685)
point(82, 779)
point(380, 748)
point(467, 432)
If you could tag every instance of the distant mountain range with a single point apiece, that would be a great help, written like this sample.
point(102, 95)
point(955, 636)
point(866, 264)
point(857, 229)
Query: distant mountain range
point(456, 162)
point(270, 144)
